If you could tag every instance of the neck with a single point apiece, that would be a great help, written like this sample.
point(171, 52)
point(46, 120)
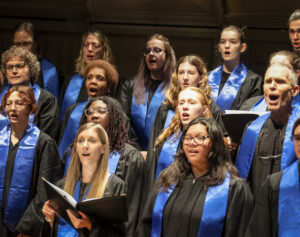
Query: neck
point(229, 66)
point(157, 75)
point(281, 116)
point(17, 130)
point(87, 173)
point(200, 169)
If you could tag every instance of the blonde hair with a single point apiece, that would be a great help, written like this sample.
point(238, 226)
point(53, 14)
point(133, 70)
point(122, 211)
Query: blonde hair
point(176, 125)
point(107, 52)
point(100, 177)
point(174, 89)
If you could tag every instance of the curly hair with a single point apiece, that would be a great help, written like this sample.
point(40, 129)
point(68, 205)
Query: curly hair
point(25, 93)
point(219, 159)
point(176, 125)
point(107, 52)
point(111, 73)
point(142, 78)
point(116, 130)
point(29, 59)
point(174, 89)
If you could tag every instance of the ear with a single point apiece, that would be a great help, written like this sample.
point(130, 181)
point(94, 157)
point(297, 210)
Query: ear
point(205, 111)
point(219, 50)
point(244, 47)
point(200, 80)
point(295, 90)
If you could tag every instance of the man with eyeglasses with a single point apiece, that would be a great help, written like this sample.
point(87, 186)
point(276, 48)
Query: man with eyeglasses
point(266, 147)
point(294, 31)
point(277, 208)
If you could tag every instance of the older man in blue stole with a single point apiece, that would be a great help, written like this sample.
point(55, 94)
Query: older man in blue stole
point(266, 147)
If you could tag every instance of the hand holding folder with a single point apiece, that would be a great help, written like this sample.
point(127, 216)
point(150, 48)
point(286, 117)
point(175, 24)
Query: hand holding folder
point(110, 209)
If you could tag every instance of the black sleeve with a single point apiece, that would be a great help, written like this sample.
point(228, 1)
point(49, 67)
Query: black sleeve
point(131, 170)
point(47, 115)
point(145, 223)
point(125, 96)
point(239, 208)
point(216, 113)
point(264, 219)
point(47, 164)
point(114, 187)
point(249, 103)
point(252, 86)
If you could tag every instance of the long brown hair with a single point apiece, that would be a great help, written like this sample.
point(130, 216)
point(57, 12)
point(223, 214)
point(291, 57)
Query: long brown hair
point(100, 177)
point(174, 89)
point(219, 159)
point(176, 125)
point(143, 75)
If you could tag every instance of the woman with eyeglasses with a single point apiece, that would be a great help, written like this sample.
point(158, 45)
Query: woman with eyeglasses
point(94, 46)
point(21, 67)
point(27, 154)
point(87, 177)
point(100, 78)
point(140, 98)
point(192, 103)
point(277, 207)
point(190, 71)
point(26, 36)
point(199, 194)
point(232, 82)
point(125, 161)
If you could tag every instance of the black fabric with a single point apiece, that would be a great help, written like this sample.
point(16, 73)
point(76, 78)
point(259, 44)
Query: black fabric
point(249, 103)
point(47, 116)
point(224, 78)
point(46, 164)
point(267, 154)
point(264, 219)
point(114, 187)
point(183, 211)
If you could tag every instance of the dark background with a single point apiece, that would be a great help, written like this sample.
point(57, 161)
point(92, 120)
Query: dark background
point(193, 26)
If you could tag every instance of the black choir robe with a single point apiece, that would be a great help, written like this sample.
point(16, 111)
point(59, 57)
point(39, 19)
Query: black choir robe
point(252, 86)
point(125, 99)
point(131, 170)
point(46, 118)
point(264, 219)
point(46, 164)
point(270, 143)
point(183, 210)
point(249, 103)
point(114, 187)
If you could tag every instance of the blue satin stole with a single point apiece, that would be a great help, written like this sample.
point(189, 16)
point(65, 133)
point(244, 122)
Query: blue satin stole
point(228, 93)
point(166, 156)
point(71, 94)
point(143, 117)
point(64, 229)
point(247, 148)
point(18, 192)
point(4, 121)
point(71, 128)
point(289, 202)
point(50, 77)
point(113, 161)
point(213, 215)
point(260, 106)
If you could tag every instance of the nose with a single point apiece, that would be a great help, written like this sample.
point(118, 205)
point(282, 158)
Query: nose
point(227, 44)
point(273, 85)
point(85, 144)
point(185, 76)
point(13, 106)
point(90, 48)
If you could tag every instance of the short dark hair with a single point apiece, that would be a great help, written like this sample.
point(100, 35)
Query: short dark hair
point(295, 16)
point(296, 124)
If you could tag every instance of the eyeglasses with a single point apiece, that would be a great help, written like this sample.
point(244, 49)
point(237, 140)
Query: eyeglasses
point(99, 110)
point(18, 66)
point(199, 140)
point(296, 138)
point(25, 43)
point(155, 51)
